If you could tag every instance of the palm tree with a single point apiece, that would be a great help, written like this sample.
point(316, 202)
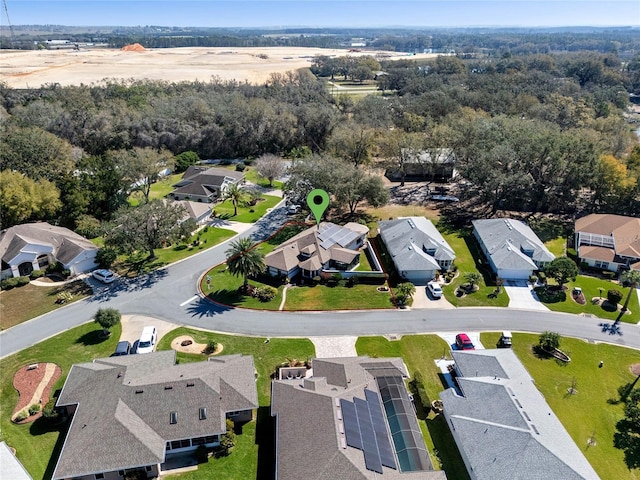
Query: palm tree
point(244, 259)
point(405, 290)
point(632, 278)
point(472, 278)
point(549, 341)
point(236, 194)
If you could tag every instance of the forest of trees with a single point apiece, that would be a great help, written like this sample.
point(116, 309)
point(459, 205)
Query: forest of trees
point(539, 132)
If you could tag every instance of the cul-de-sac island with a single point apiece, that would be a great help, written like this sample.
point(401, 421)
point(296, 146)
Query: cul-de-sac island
point(464, 304)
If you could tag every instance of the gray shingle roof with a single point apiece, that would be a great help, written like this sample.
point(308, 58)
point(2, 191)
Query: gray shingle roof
point(503, 425)
point(124, 405)
point(308, 427)
point(407, 240)
point(65, 244)
point(507, 239)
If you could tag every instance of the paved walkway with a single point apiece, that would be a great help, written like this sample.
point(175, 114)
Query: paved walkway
point(334, 347)
point(521, 295)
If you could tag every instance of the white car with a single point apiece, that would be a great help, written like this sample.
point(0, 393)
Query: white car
point(435, 289)
point(148, 339)
point(105, 276)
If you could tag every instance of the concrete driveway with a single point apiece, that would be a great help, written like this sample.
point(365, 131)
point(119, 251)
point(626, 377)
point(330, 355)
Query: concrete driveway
point(450, 338)
point(423, 299)
point(132, 326)
point(335, 347)
point(521, 295)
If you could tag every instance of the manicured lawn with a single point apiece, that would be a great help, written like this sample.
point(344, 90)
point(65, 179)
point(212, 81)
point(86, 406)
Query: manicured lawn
point(20, 304)
point(467, 255)
point(160, 189)
point(364, 266)
point(419, 353)
point(246, 214)
point(224, 289)
point(590, 287)
point(139, 263)
point(34, 442)
point(395, 211)
point(589, 412)
point(322, 297)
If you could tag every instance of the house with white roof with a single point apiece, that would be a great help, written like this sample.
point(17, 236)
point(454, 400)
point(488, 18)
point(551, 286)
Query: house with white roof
point(33, 246)
point(512, 249)
point(326, 246)
point(417, 248)
point(503, 426)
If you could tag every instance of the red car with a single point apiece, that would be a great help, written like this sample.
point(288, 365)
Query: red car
point(463, 342)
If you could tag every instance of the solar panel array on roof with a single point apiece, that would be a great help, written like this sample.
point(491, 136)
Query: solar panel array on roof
point(351, 427)
point(380, 429)
point(369, 444)
point(334, 234)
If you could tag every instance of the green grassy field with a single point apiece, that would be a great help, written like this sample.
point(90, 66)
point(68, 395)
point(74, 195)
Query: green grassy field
point(322, 297)
point(36, 443)
point(246, 214)
point(589, 412)
point(160, 189)
point(23, 303)
point(591, 289)
point(467, 255)
point(419, 353)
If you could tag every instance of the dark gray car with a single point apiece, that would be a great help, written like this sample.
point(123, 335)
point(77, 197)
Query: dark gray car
point(123, 348)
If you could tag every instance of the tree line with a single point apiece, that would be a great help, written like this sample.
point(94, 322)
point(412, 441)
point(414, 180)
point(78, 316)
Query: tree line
point(535, 132)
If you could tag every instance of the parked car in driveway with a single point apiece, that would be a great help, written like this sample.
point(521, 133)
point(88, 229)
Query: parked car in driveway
point(123, 348)
point(103, 275)
point(148, 339)
point(463, 342)
point(434, 289)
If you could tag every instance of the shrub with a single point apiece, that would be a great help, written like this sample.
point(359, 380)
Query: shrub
point(33, 409)
point(9, 283)
point(211, 346)
point(64, 297)
point(106, 256)
point(240, 167)
point(533, 279)
point(36, 274)
point(249, 161)
point(21, 416)
point(202, 454)
point(228, 440)
point(49, 411)
point(55, 267)
point(542, 277)
point(65, 272)
point(423, 397)
point(608, 274)
point(614, 296)
point(265, 293)
point(88, 226)
point(316, 280)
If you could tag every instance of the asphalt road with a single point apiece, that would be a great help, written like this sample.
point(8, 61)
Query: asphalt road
point(171, 294)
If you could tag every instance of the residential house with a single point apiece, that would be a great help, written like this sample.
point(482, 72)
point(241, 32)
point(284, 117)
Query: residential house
point(502, 424)
point(322, 247)
point(199, 212)
point(512, 249)
point(417, 248)
point(349, 418)
point(433, 165)
point(609, 242)
point(205, 184)
point(33, 246)
point(134, 412)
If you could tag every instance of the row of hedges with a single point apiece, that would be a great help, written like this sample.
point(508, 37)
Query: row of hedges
point(14, 282)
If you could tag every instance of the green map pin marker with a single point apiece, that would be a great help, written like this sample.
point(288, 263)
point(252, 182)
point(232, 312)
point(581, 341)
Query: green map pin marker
point(318, 201)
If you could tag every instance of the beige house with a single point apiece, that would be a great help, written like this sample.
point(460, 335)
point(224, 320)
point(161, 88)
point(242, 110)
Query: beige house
point(609, 242)
point(327, 246)
point(33, 246)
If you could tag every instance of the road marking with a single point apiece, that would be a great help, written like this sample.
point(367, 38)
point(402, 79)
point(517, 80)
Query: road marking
point(189, 301)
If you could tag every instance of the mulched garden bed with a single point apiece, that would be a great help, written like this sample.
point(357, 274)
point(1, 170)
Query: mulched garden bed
point(26, 382)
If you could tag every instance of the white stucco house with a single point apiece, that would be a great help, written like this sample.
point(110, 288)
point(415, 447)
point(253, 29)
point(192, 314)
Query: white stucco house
point(33, 246)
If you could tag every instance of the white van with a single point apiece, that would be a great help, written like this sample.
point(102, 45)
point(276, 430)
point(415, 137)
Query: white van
point(148, 339)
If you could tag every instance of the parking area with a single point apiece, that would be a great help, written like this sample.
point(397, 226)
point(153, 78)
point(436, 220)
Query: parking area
point(521, 295)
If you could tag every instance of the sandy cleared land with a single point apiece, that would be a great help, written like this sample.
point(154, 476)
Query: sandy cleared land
point(30, 69)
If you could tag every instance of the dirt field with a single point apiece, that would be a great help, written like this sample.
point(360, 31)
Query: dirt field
point(29, 69)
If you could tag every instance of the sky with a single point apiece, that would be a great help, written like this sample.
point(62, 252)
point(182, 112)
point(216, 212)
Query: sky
point(325, 13)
